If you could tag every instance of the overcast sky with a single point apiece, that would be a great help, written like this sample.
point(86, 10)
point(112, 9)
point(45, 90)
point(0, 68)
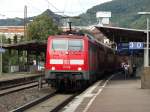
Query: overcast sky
point(15, 8)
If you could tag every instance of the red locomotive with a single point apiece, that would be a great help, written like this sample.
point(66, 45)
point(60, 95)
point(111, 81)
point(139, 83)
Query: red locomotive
point(73, 60)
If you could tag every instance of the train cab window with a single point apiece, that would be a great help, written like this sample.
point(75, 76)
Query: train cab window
point(59, 44)
point(76, 45)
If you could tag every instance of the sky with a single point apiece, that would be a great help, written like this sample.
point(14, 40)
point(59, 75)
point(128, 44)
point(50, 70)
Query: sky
point(15, 8)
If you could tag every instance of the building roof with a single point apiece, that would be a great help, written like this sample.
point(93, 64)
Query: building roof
point(118, 34)
point(12, 29)
point(28, 45)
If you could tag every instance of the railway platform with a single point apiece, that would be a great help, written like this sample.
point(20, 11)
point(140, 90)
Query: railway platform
point(115, 95)
point(122, 96)
point(13, 76)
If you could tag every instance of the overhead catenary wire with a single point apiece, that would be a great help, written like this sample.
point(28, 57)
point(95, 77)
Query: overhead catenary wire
point(53, 6)
point(3, 15)
point(81, 6)
point(28, 2)
point(65, 5)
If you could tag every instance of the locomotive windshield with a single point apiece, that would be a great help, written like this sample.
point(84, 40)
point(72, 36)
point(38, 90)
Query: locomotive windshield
point(76, 45)
point(59, 44)
point(63, 44)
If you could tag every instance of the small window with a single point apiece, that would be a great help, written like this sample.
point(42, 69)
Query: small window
point(76, 45)
point(60, 44)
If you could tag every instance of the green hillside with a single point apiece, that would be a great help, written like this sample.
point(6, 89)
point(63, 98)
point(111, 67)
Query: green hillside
point(20, 21)
point(124, 13)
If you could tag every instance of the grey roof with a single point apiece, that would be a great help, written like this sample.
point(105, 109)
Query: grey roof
point(123, 34)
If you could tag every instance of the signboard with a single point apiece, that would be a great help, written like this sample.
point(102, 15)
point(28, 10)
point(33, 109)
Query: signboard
point(122, 46)
point(136, 45)
point(105, 21)
point(103, 14)
point(106, 41)
point(2, 50)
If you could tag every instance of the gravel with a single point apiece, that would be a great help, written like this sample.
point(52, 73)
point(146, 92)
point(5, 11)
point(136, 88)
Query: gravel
point(17, 99)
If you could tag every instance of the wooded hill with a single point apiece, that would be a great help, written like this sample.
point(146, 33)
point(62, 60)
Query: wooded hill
point(20, 21)
point(124, 13)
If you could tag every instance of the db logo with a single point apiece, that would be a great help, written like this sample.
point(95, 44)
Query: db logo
point(66, 62)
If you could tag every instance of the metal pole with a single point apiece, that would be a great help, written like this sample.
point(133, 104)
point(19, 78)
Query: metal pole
point(146, 50)
point(146, 58)
point(1, 59)
point(25, 22)
point(40, 83)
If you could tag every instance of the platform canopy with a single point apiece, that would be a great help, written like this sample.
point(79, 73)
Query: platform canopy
point(28, 45)
point(118, 34)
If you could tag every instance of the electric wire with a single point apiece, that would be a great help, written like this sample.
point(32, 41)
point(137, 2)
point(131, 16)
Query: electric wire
point(65, 6)
point(53, 6)
point(81, 6)
point(3, 15)
point(33, 6)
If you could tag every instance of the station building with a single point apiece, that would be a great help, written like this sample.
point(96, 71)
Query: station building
point(11, 31)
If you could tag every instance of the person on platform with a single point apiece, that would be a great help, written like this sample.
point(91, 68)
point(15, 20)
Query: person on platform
point(126, 70)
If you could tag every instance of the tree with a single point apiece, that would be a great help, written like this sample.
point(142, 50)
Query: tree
point(5, 55)
point(15, 38)
point(41, 27)
point(9, 41)
point(21, 38)
point(4, 40)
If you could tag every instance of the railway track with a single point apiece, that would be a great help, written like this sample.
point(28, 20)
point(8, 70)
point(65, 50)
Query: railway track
point(52, 102)
point(14, 85)
point(18, 88)
point(14, 82)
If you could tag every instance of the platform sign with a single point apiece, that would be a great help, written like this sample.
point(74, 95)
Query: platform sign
point(103, 14)
point(136, 45)
point(2, 50)
point(122, 46)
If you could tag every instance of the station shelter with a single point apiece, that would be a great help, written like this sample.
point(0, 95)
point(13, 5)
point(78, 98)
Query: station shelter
point(122, 37)
point(33, 53)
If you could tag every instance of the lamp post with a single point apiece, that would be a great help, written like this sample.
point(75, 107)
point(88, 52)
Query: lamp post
point(146, 51)
point(1, 57)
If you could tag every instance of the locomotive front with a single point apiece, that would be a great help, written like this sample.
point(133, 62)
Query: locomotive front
point(66, 60)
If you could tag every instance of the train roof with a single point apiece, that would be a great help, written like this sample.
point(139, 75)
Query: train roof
point(66, 36)
point(92, 39)
point(80, 35)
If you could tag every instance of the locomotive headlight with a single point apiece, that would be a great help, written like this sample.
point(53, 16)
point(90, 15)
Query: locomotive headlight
point(79, 68)
point(53, 68)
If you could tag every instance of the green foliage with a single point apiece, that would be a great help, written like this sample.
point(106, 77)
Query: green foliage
point(20, 21)
point(124, 13)
point(15, 39)
point(8, 55)
point(4, 55)
point(41, 27)
point(6, 58)
point(22, 38)
point(9, 41)
point(3, 38)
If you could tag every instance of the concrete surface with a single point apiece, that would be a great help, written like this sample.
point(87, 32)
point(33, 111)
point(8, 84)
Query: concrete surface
point(145, 78)
point(12, 76)
point(121, 95)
